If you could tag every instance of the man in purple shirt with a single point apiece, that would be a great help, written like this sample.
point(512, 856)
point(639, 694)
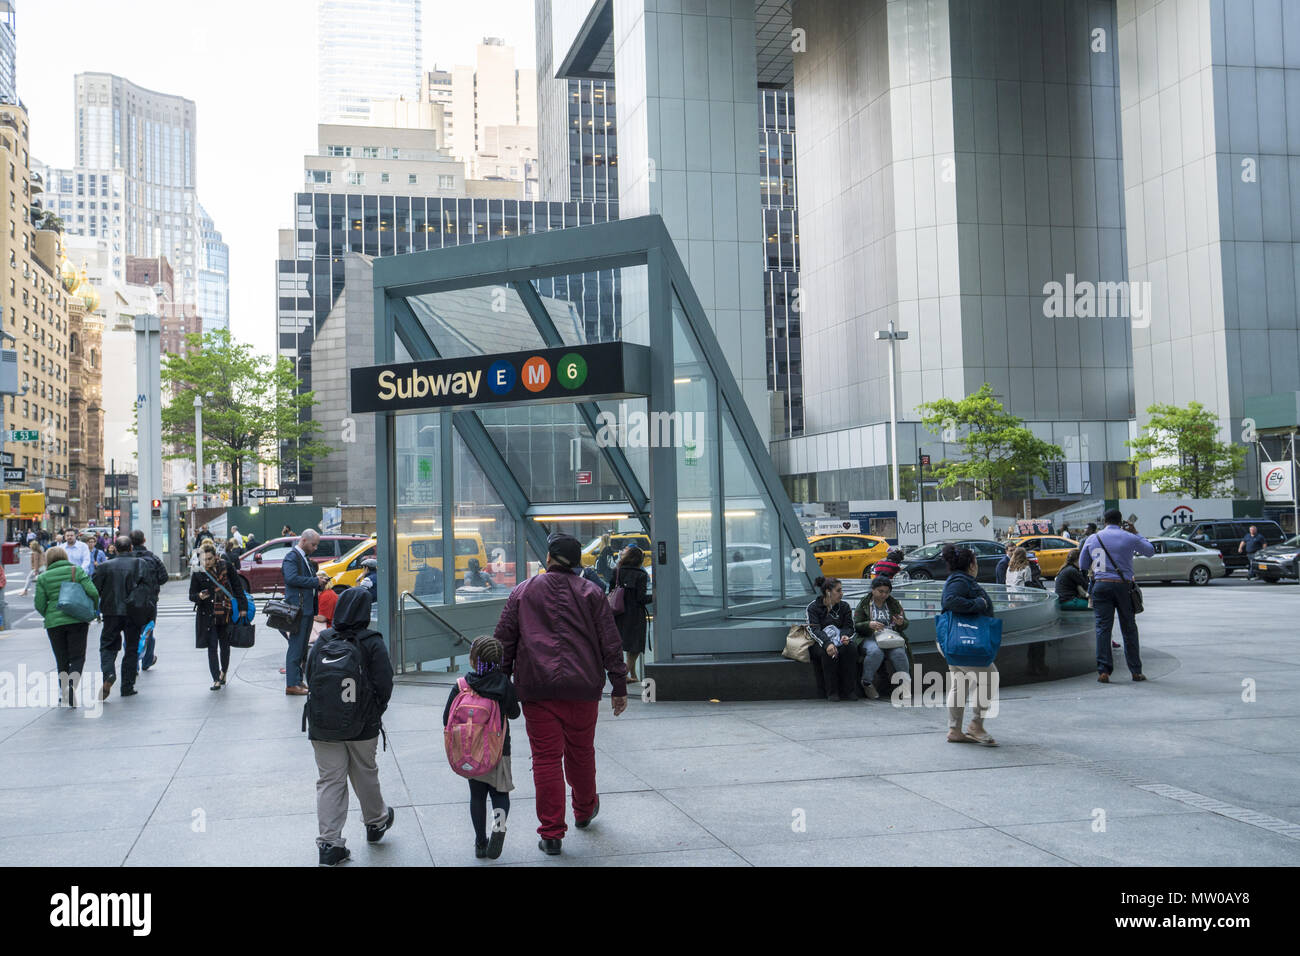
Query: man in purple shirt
point(1109, 553)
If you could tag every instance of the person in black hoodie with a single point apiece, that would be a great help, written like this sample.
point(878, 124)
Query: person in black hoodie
point(834, 649)
point(633, 579)
point(487, 680)
point(339, 761)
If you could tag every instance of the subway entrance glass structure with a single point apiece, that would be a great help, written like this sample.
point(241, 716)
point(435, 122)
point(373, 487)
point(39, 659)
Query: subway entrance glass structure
point(501, 416)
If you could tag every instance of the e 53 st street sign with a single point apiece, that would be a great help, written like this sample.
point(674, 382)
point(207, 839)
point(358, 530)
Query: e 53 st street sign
point(606, 370)
point(22, 436)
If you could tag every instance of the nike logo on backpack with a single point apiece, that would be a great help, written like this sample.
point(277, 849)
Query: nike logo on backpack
point(326, 660)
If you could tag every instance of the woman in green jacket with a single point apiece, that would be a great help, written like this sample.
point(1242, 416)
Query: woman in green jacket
point(67, 634)
point(880, 611)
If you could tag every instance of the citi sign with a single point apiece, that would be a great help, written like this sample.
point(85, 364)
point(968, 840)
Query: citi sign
point(1181, 514)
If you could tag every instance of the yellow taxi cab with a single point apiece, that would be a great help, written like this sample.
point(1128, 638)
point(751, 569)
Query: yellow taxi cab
point(848, 555)
point(414, 552)
point(618, 540)
point(1050, 549)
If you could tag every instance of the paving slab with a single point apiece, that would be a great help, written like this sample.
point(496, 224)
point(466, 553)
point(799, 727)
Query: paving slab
point(969, 847)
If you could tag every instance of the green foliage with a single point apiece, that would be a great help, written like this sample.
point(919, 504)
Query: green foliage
point(999, 454)
point(250, 402)
point(1194, 463)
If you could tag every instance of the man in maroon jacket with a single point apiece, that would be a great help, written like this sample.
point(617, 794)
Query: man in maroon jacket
point(560, 641)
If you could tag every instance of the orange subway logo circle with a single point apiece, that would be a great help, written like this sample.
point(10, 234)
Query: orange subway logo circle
point(536, 374)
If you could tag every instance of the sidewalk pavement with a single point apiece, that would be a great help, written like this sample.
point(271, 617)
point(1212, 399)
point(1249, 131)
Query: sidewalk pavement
point(1198, 766)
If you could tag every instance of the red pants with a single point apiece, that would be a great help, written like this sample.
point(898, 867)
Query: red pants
point(562, 733)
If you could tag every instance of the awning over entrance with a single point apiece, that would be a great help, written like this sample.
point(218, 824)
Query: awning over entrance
point(512, 402)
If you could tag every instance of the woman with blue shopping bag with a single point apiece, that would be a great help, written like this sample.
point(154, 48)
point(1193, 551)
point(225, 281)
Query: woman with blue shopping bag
point(969, 638)
point(68, 601)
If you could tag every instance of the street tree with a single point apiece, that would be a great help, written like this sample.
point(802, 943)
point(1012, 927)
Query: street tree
point(1186, 458)
point(251, 402)
point(998, 454)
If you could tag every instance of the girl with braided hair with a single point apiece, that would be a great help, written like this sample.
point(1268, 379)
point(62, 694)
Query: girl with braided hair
point(487, 680)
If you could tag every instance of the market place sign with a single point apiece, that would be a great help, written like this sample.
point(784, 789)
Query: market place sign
point(609, 370)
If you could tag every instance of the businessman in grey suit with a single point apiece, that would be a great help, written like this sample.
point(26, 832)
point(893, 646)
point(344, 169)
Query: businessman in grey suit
point(302, 585)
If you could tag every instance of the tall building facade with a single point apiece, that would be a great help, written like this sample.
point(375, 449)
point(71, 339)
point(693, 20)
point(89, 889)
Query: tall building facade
point(214, 276)
point(35, 312)
point(368, 50)
point(781, 298)
point(135, 184)
point(491, 118)
point(85, 397)
point(8, 52)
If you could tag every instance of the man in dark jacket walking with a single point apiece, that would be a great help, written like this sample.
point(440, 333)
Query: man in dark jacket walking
point(559, 642)
point(338, 761)
point(115, 579)
point(155, 576)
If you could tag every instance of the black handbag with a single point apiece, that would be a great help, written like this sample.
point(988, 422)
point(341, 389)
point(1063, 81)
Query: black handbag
point(242, 635)
point(282, 615)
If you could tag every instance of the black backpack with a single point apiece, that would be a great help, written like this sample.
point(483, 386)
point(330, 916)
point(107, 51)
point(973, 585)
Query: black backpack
point(141, 595)
point(340, 696)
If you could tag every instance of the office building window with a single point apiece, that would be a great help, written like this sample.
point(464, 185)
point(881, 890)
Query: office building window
point(412, 179)
point(356, 179)
point(383, 177)
point(321, 176)
point(370, 152)
point(446, 182)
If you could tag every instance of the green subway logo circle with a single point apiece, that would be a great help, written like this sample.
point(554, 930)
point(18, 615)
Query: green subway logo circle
point(571, 370)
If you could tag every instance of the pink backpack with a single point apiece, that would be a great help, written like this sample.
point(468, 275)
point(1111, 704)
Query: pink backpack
point(475, 733)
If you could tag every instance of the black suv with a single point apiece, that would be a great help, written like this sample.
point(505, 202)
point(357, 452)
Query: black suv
point(1225, 534)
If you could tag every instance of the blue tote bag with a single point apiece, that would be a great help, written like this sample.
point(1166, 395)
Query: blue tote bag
point(968, 640)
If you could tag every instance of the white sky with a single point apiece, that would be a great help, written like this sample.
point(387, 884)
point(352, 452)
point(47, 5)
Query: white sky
point(250, 67)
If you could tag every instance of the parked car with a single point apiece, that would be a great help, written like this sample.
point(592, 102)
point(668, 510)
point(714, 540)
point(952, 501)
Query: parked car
point(414, 551)
point(926, 562)
point(260, 567)
point(1225, 534)
point(847, 555)
point(1050, 551)
point(618, 540)
point(1177, 559)
point(1279, 561)
point(749, 570)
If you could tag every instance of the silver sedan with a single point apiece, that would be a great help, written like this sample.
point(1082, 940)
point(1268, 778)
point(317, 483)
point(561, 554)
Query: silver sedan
point(1177, 559)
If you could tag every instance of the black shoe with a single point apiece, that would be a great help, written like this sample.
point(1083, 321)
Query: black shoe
point(376, 833)
point(221, 679)
point(1137, 677)
point(481, 850)
point(1103, 678)
point(496, 842)
point(549, 847)
point(583, 824)
point(108, 686)
point(129, 692)
point(331, 855)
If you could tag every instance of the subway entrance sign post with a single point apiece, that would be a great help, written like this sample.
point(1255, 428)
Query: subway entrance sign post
point(608, 370)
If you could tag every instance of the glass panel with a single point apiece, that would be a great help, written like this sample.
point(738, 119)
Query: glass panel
point(553, 454)
point(476, 321)
point(749, 526)
point(485, 534)
point(418, 479)
point(695, 393)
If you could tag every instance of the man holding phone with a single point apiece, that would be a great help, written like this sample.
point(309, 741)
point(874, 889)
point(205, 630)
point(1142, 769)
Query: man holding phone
point(303, 583)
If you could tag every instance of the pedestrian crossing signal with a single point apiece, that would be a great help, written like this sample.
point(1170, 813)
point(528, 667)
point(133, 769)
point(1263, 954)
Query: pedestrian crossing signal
point(156, 504)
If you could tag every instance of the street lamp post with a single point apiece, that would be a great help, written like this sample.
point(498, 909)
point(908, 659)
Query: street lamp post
point(891, 336)
point(198, 455)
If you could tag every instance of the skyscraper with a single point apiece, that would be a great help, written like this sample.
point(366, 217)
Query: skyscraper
point(214, 275)
point(151, 138)
point(8, 53)
point(368, 50)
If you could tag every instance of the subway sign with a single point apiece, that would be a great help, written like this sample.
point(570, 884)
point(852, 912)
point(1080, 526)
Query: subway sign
point(609, 370)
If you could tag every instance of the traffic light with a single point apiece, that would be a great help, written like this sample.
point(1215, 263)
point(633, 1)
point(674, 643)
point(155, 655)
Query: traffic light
point(156, 504)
